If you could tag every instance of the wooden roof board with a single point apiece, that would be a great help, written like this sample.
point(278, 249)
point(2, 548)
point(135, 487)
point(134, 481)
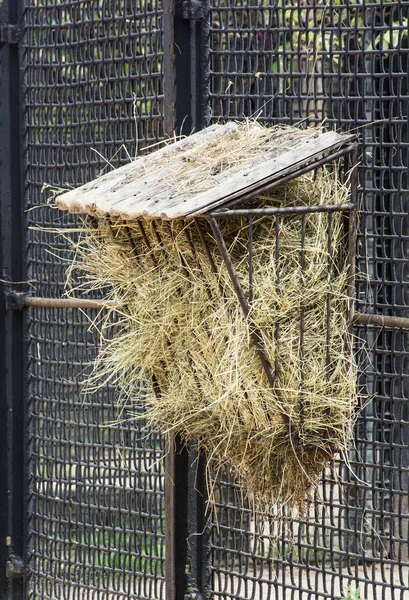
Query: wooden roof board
point(92, 197)
point(127, 191)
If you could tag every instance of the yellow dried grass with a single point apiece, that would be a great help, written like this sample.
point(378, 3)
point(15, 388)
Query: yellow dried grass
point(179, 328)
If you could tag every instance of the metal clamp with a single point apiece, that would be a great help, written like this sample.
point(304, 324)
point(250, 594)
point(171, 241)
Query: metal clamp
point(15, 567)
point(9, 34)
point(193, 10)
point(15, 300)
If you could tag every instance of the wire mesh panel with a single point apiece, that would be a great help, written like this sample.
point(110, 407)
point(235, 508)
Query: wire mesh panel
point(96, 508)
point(344, 64)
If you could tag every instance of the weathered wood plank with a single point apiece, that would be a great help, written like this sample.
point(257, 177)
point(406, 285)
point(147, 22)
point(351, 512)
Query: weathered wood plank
point(283, 165)
point(86, 198)
point(142, 199)
point(244, 180)
point(137, 193)
point(152, 186)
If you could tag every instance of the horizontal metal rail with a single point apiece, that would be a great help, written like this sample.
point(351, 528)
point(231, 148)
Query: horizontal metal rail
point(81, 303)
point(358, 318)
point(289, 210)
point(380, 320)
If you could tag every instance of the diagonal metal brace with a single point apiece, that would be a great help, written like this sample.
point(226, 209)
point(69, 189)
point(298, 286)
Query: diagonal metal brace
point(254, 331)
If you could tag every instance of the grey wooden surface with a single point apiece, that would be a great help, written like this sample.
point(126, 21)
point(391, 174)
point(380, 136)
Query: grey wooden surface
point(163, 185)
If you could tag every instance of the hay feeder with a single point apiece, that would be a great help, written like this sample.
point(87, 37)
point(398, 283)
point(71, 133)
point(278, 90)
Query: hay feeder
point(229, 258)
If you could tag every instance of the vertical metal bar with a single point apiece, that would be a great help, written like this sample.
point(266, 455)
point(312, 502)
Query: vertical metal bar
point(186, 108)
point(131, 242)
point(176, 492)
point(197, 551)
point(203, 112)
point(202, 235)
point(277, 276)
point(146, 239)
point(352, 233)
point(199, 578)
point(12, 341)
point(193, 250)
point(200, 555)
point(250, 253)
point(183, 124)
point(169, 78)
point(255, 334)
point(302, 357)
point(200, 66)
point(185, 498)
point(170, 501)
point(186, 69)
point(328, 325)
point(363, 454)
point(158, 239)
point(176, 507)
point(354, 165)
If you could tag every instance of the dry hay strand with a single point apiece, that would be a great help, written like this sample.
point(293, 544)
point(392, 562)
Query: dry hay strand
point(179, 329)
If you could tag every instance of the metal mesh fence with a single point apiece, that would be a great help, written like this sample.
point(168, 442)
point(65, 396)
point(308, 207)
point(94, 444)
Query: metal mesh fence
point(93, 100)
point(344, 64)
point(96, 510)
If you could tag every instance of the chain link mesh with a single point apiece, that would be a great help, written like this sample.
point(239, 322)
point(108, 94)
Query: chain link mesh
point(93, 100)
point(96, 509)
point(344, 64)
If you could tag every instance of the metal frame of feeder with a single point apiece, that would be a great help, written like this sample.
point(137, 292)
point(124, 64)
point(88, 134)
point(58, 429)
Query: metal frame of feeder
point(245, 303)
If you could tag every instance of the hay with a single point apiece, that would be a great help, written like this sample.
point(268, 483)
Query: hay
point(179, 329)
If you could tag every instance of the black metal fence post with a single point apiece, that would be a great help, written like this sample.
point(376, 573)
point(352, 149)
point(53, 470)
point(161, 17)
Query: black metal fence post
point(186, 80)
point(11, 322)
point(186, 65)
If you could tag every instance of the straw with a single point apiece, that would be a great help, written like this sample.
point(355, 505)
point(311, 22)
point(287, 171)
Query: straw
point(180, 331)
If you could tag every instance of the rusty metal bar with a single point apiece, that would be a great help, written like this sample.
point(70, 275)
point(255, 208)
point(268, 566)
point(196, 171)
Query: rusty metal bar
point(255, 333)
point(302, 322)
point(380, 320)
point(290, 210)
point(80, 303)
point(193, 250)
point(205, 245)
point(131, 243)
point(146, 240)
